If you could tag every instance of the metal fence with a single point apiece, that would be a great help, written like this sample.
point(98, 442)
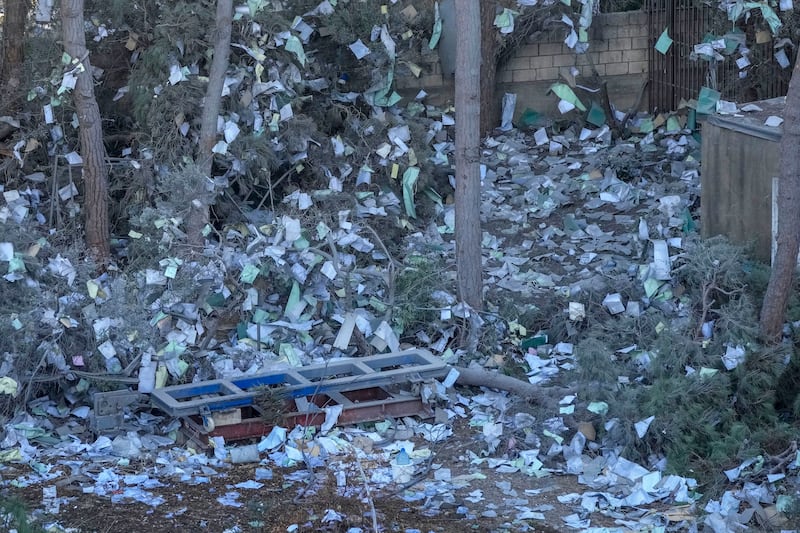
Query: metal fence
point(674, 76)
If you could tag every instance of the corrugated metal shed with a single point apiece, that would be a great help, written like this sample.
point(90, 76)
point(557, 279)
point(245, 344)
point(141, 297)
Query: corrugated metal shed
point(739, 163)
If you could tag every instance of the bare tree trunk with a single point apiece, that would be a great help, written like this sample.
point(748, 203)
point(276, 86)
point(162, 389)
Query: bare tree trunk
point(93, 151)
point(776, 298)
point(490, 48)
point(198, 216)
point(468, 179)
point(14, 23)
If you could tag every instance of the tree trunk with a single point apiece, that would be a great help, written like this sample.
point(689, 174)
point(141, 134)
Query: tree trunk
point(14, 23)
point(490, 47)
point(93, 152)
point(467, 154)
point(776, 298)
point(198, 216)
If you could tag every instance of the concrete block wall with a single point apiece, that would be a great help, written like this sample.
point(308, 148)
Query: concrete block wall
point(618, 48)
point(618, 45)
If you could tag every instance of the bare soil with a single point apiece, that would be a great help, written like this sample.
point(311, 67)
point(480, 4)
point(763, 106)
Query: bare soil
point(283, 501)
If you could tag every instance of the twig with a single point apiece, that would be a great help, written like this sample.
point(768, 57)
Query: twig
point(348, 303)
point(369, 495)
point(707, 303)
point(635, 108)
point(783, 458)
point(54, 195)
point(391, 275)
point(271, 189)
point(30, 381)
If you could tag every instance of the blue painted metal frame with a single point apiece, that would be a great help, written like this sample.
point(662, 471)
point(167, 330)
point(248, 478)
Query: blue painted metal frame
point(334, 376)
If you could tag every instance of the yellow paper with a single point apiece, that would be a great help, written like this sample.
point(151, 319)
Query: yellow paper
point(412, 157)
point(415, 69)
point(131, 43)
point(92, 288)
point(8, 386)
point(161, 376)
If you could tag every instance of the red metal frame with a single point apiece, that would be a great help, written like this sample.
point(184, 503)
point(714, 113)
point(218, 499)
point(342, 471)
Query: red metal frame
point(362, 405)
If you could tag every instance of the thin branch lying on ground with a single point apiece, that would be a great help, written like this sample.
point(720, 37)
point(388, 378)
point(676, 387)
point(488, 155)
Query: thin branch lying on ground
point(369, 495)
point(479, 377)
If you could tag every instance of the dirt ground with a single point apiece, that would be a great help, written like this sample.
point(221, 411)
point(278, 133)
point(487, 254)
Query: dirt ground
point(288, 503)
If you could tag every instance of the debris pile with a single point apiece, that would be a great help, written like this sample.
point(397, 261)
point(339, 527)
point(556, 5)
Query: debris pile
point(600, 294)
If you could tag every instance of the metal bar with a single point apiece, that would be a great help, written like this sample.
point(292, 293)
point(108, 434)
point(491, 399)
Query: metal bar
point(334, 376)
point(363, 405)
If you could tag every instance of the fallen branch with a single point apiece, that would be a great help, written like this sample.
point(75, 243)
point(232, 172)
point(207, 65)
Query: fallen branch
point(479, 377)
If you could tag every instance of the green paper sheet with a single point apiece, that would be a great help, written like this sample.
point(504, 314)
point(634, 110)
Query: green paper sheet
point(437, 28)
point(707, 100)
point(409, 181)
point(249, 274)
point(565, 92)
point(596, 116)
point(294, 46)
point(664, 42)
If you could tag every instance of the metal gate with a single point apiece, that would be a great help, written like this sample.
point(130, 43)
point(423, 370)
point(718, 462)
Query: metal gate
point(674, 76)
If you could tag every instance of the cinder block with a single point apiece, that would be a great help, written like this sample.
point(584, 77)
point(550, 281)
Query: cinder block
point(610, 57)
point(528, 50)
point(505, 76)
point(640, 43)
point(616, 69)
point(563, 60)
point(587, 70)
point(552, 49)
point(547, 74)
point(610, 32)
point(631, 56)
point(637, 18)
point(523, 75)
point(430, 81)
point(638, 67)
point(519, 63)
point(624, 31)
point(542, 62)
point(633, 31)
point(612, 19)
point(620, 43)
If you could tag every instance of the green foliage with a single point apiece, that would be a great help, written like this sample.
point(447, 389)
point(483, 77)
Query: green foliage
point(161, 224)
point(415, 306)
point(14, 517)
point(123, 14)
point(707, 418)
